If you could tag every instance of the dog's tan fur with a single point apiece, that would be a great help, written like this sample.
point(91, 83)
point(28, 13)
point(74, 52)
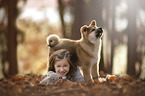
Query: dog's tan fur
point(85, 52)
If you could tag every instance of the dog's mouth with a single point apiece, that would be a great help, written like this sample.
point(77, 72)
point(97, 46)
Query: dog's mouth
point(99, 32)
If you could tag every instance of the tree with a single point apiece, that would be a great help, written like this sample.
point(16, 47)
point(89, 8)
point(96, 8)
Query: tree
point(84, 12)
point(108, 38)
point(61, 13)
point(132, 39)
point(12, 37)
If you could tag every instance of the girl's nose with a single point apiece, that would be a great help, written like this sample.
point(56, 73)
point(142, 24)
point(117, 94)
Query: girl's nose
point(61, 69)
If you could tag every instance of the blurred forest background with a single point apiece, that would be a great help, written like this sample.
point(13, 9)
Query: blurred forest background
point(25, 25)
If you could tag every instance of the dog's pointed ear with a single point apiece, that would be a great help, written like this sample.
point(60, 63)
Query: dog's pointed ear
point(93, 23)
point(83, 31)
point(83, 28)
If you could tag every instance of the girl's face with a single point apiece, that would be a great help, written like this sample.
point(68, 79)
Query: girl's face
point(62, 67)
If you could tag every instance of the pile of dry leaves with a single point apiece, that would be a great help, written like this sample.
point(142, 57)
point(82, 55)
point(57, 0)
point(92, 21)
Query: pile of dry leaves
point(28, 85)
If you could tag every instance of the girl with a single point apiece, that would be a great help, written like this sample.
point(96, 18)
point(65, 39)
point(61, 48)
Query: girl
point(60, 68)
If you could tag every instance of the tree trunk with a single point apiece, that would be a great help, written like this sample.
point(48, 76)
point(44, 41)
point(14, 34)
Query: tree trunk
point(78, 18)
point(84, 13)
point(132, 37)
point(107, 36)
point(12, 36)
point(61, 13)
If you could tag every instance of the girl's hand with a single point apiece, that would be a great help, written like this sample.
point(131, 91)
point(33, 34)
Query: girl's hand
point(59, 82)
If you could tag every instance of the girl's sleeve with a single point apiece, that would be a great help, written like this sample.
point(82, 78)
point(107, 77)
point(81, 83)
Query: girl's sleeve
point(78, 77)
point(49, 79)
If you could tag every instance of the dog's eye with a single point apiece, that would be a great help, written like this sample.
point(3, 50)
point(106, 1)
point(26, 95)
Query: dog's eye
point(93, 29)
point(50, 40)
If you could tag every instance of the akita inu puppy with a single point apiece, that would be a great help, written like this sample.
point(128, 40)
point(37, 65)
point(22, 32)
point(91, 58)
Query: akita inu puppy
point(85, 52)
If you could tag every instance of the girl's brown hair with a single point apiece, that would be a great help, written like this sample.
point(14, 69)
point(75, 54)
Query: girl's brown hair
point(59, 55)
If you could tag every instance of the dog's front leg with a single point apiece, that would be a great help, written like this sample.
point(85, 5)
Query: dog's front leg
point(94, 71)
point(98, 70)
point(86, 71)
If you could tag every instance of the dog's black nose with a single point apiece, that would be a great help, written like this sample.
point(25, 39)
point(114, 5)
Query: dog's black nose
point(99, 30)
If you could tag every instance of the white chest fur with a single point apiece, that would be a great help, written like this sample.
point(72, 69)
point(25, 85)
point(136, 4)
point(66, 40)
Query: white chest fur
point(94, 51)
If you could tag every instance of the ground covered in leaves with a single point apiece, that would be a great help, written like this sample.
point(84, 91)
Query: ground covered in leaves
point(28, 85)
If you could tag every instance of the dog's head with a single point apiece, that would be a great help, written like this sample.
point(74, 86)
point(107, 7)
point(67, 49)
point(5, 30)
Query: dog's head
point(52, 40)
point(91, 32)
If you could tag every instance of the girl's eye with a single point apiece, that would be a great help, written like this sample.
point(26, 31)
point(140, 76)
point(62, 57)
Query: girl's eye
point(58, 66)
point(65, 65)
point(93, 29)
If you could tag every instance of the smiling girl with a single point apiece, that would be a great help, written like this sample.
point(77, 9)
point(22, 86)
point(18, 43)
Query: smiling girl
point(60, 64)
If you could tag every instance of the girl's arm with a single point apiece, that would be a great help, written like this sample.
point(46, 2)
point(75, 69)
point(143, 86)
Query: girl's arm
point(78, 76)
point(52, 78)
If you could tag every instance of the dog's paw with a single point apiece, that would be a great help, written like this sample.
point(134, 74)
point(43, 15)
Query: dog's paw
point(101, 80)
point(90, 83)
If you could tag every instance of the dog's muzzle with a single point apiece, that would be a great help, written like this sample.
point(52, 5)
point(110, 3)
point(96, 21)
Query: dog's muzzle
point(99, 32)
point(49, 45)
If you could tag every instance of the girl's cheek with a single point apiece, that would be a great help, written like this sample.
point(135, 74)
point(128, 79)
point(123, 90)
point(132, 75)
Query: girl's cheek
point(57, 69)
point(67, 69)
